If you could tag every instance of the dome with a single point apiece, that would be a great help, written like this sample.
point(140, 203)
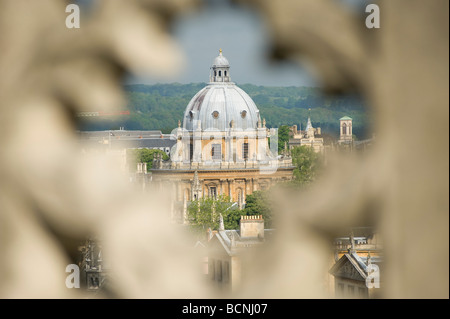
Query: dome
point(221, 104)
point(221, 61)
point(217, 105)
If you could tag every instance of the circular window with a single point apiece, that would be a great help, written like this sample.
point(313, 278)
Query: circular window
point(215, 114)
point(243, 114)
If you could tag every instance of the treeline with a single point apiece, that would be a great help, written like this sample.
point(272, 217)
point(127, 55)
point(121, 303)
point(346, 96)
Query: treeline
point(160, 106)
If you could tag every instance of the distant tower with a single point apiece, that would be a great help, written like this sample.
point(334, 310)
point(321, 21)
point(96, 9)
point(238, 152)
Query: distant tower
point(345, 130)
point(309, 128)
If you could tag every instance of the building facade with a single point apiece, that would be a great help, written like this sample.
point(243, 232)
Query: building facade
point(229, 252)
point(346, 132)
point(310, 137)
point(222, 146)
point(357, 266)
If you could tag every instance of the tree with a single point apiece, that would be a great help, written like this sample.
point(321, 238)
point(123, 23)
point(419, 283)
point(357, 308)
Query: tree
point(307, 163)
point(204, 213)
point(283, 137)
point(258, 203)
point(143, 155)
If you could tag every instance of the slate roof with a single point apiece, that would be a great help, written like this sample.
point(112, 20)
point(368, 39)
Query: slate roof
point(356, 262)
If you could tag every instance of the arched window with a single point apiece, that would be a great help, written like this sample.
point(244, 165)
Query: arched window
point(344, 129)
point(216, 151)
point(220, 73)
point(245, 149)
point(215, 73)
point(213, 192)
point(225, 73)
point(191, 151)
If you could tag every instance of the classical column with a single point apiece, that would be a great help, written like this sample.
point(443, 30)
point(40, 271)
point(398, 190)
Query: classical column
point(245, 188)
point(203, 187)
point(232, 189)
point(222, 180)
point(254, 184)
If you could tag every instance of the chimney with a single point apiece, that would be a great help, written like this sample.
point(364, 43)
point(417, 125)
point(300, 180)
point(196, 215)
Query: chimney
point(252, 226)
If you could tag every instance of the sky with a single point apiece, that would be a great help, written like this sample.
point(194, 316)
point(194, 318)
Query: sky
point(242, 36)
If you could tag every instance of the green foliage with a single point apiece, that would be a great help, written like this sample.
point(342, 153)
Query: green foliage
point(204, 213)
point(258, 203)
point(307, 164)
point(283, 136)
point(143, 155)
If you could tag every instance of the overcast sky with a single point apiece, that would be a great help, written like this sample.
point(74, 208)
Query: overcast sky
point(242, 36)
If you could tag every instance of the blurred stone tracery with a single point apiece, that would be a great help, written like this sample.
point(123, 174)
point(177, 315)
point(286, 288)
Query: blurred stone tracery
point(51, 197)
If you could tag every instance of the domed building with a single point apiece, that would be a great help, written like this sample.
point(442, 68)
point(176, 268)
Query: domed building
point(222, 146)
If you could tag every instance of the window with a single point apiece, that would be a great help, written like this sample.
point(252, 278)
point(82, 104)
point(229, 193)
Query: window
point(225, 73)
point(362, 292)
point(351, 290)
point(213, 192)
point(219, 271)
point(344, 129)
point(216, 152)
point(212, 269)
point(226, 271)
point(340, 290)
point(215, 73)
point(220, 73)
point(93, 281)
point(245, 151)
point(191, 151)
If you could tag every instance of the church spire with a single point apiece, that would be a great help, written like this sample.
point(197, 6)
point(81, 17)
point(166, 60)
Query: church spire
point(309, 124)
